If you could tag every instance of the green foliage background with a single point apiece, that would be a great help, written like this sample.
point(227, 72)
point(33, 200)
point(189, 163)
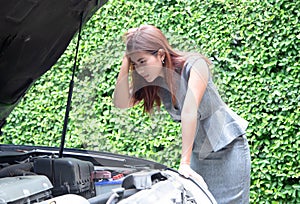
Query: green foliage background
point(255, 47)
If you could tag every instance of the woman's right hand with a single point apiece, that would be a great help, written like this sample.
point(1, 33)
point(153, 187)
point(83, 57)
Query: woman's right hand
point(125, 63)
point(122, 98)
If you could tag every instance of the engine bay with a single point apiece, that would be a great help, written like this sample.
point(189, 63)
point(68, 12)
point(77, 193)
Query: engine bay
point(39, 177)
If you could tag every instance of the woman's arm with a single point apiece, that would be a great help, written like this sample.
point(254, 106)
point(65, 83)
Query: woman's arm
point(196, 87)
point(122, 96)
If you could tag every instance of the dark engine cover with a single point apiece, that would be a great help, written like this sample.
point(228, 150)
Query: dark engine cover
point(68, 175)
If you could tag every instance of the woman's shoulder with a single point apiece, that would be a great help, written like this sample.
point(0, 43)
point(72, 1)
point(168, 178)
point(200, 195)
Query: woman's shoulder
point(196, 60)
point(193, 57)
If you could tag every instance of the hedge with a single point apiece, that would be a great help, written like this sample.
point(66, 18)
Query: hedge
point(255, 48)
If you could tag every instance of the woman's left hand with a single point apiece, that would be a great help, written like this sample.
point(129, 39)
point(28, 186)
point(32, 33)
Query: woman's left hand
point(186, 171)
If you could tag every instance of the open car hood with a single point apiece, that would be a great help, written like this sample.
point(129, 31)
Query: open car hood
point(33, 35)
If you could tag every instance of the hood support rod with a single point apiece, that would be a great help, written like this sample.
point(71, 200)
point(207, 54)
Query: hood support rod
point(71, 87)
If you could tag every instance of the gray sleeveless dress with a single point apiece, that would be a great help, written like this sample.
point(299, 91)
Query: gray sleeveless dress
point(220, 153)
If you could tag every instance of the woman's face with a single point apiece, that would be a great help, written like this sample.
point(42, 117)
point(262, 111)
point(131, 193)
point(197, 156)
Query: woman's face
point(147, 65)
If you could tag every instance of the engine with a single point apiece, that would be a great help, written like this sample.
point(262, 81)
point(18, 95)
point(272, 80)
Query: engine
point(70, 180)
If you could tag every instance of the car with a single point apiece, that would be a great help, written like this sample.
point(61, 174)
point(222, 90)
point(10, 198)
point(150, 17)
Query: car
point(33, 35)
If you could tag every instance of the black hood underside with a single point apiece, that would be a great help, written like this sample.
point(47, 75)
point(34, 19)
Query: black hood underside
point(33, 35)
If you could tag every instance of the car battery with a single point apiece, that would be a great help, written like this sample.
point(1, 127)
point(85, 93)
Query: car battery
point(68, 175)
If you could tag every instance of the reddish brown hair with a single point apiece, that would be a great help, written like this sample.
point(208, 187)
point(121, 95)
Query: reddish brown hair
point(148, 38)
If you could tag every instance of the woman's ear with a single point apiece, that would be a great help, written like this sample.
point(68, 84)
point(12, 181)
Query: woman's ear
point(161, 54)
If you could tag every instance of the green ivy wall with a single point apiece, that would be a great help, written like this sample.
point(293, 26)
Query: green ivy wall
point(255, 48)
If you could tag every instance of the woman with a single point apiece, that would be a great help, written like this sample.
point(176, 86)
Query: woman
point(213, 136)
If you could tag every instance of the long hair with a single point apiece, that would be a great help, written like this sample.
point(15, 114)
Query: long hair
point(148, 38)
